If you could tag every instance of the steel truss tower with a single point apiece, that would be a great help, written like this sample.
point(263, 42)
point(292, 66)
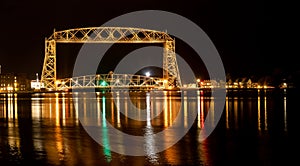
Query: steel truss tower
point(110, 35)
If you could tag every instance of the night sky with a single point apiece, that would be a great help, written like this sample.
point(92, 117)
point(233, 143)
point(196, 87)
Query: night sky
point(251, 36)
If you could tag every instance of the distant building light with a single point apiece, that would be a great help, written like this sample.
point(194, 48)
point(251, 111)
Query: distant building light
point(9, 88)
point(36, 84)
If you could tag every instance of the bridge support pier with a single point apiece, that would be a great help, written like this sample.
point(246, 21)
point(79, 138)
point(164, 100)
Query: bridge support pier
point(48, 76)
point(170, 67)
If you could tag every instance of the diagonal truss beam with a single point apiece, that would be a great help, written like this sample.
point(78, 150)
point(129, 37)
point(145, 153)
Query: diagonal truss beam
point(110, 35)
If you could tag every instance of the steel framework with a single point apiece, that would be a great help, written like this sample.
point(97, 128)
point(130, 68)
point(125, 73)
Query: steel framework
point(110, 35)
point(110, 81)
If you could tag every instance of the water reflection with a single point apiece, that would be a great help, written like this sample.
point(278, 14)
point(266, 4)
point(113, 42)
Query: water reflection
point(105, 137)
point(284, 113)
point(262, 120)
point(45, 128)
point(265, 112)
point(149, 148)
point(227, 112)
point(258, 113)
point(240, 109)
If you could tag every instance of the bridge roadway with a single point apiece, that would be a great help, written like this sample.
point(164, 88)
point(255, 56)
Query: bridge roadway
point(111, 81)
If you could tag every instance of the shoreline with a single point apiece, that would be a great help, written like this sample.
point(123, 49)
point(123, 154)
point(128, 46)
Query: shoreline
point(154, 90)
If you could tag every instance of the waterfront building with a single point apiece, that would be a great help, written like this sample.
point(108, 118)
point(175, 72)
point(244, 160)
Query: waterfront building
point(11, 82)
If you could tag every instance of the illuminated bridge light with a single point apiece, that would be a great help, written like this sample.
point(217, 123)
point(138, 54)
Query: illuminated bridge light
point(103, 83)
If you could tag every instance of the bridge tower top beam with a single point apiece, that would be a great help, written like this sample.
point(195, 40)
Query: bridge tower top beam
point(110, 35)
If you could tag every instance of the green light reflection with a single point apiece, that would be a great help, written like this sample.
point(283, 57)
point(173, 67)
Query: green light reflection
point(105, 138)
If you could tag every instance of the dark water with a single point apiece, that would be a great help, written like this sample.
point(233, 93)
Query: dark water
point(256, 128)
